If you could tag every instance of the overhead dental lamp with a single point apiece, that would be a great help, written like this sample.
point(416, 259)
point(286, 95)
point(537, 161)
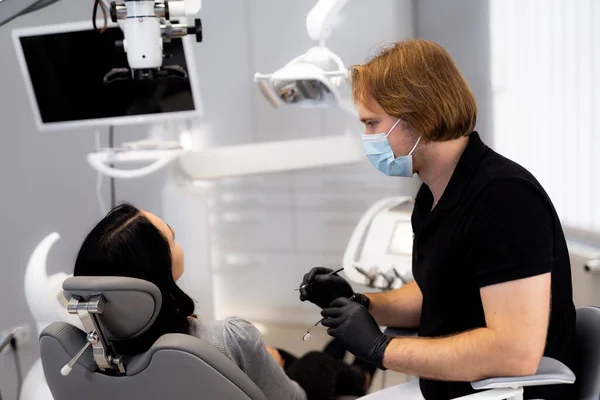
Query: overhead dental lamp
point(315, 79)
point(312, 80)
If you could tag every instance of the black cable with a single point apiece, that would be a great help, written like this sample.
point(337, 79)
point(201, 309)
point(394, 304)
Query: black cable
point(12, 341)
point(104, 14)
point(13, 345)
point(113, 195)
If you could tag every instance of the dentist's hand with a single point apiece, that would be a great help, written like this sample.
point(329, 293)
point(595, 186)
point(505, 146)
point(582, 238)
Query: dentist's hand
point(352, 324)
point(322, 288)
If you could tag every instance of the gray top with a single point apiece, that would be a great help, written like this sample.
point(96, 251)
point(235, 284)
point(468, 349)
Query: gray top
point(240, 341)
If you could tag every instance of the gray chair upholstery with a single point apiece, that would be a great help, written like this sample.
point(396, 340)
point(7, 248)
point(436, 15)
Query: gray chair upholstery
point(176, 367)
point(549, 372)
point(588, 339)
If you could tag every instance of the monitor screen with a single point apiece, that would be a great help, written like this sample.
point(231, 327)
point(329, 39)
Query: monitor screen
point(66, 72)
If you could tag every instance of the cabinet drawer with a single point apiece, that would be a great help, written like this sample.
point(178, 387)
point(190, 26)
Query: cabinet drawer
point(346, 183)
point(236, 201)
point(260, 182)
point(340, 202)
point(256, 230)
point(324, 232)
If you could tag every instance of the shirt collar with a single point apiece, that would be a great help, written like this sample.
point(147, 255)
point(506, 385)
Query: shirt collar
point(461, 177)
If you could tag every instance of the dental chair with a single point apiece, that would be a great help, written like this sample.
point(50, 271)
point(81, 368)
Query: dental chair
point(177, 366)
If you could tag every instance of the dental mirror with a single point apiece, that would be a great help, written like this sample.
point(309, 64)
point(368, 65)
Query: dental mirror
point(306, 335)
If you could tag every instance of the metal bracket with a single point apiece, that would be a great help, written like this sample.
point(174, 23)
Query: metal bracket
point(88, 312)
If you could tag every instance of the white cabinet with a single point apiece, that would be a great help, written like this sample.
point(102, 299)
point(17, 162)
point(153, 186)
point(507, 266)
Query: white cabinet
point(257, 183)
point(238, 200)
point(260, 286)
point(269, 231)
point(357, 201)
point(324, 232)
point(253, 230)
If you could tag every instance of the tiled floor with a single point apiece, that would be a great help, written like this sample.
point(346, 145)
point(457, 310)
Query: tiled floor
point(289, 337)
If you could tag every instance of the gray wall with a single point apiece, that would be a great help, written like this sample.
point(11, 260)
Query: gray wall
point(46, 186)
point(462, 27)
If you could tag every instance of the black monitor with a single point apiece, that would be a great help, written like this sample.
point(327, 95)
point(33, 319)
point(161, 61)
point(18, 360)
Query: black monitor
point(65, 70)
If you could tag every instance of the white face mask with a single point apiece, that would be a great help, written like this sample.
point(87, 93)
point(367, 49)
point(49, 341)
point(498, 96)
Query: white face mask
point(380, 153)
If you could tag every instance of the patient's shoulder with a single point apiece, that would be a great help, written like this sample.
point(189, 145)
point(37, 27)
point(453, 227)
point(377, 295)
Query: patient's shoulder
point(235, 337)
point(227, 333)
point(239, 329)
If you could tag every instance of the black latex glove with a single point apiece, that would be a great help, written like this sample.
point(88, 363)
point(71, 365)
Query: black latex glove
point(352, 324)
point(324, 288)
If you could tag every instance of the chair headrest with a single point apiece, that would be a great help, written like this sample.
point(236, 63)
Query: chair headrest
point(132, 305)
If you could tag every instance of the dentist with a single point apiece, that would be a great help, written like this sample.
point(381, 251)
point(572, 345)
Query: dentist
point(492, 291)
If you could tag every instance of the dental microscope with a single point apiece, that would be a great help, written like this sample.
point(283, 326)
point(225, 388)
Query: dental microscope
point(148, 28)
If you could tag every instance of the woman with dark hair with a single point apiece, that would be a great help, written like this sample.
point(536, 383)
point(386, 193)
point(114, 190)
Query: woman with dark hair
point(133, 243)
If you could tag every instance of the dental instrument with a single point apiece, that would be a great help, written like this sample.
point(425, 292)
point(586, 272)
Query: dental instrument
point(308, 284)
point(306, 335)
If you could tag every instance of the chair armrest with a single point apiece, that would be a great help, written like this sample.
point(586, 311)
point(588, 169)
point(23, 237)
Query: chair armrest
point(549, 372)
point(400, 332)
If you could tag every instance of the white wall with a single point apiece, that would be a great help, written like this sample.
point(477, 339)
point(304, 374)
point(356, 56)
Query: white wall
point(462, 27)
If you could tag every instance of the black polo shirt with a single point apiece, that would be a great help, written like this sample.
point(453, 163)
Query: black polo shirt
point(494, 223)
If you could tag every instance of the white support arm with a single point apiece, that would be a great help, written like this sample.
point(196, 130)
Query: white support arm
point(161, 159)
point(320, 18)
point(268, 157)
point(235, 161)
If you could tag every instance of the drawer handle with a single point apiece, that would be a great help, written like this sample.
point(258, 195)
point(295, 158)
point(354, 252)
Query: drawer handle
point(244, 260)
point(237, 198)
point(241, 219)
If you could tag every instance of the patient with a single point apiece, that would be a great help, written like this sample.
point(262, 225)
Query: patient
point(133, 243)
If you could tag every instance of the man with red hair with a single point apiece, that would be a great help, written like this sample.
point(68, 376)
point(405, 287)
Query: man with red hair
point(492, 292)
